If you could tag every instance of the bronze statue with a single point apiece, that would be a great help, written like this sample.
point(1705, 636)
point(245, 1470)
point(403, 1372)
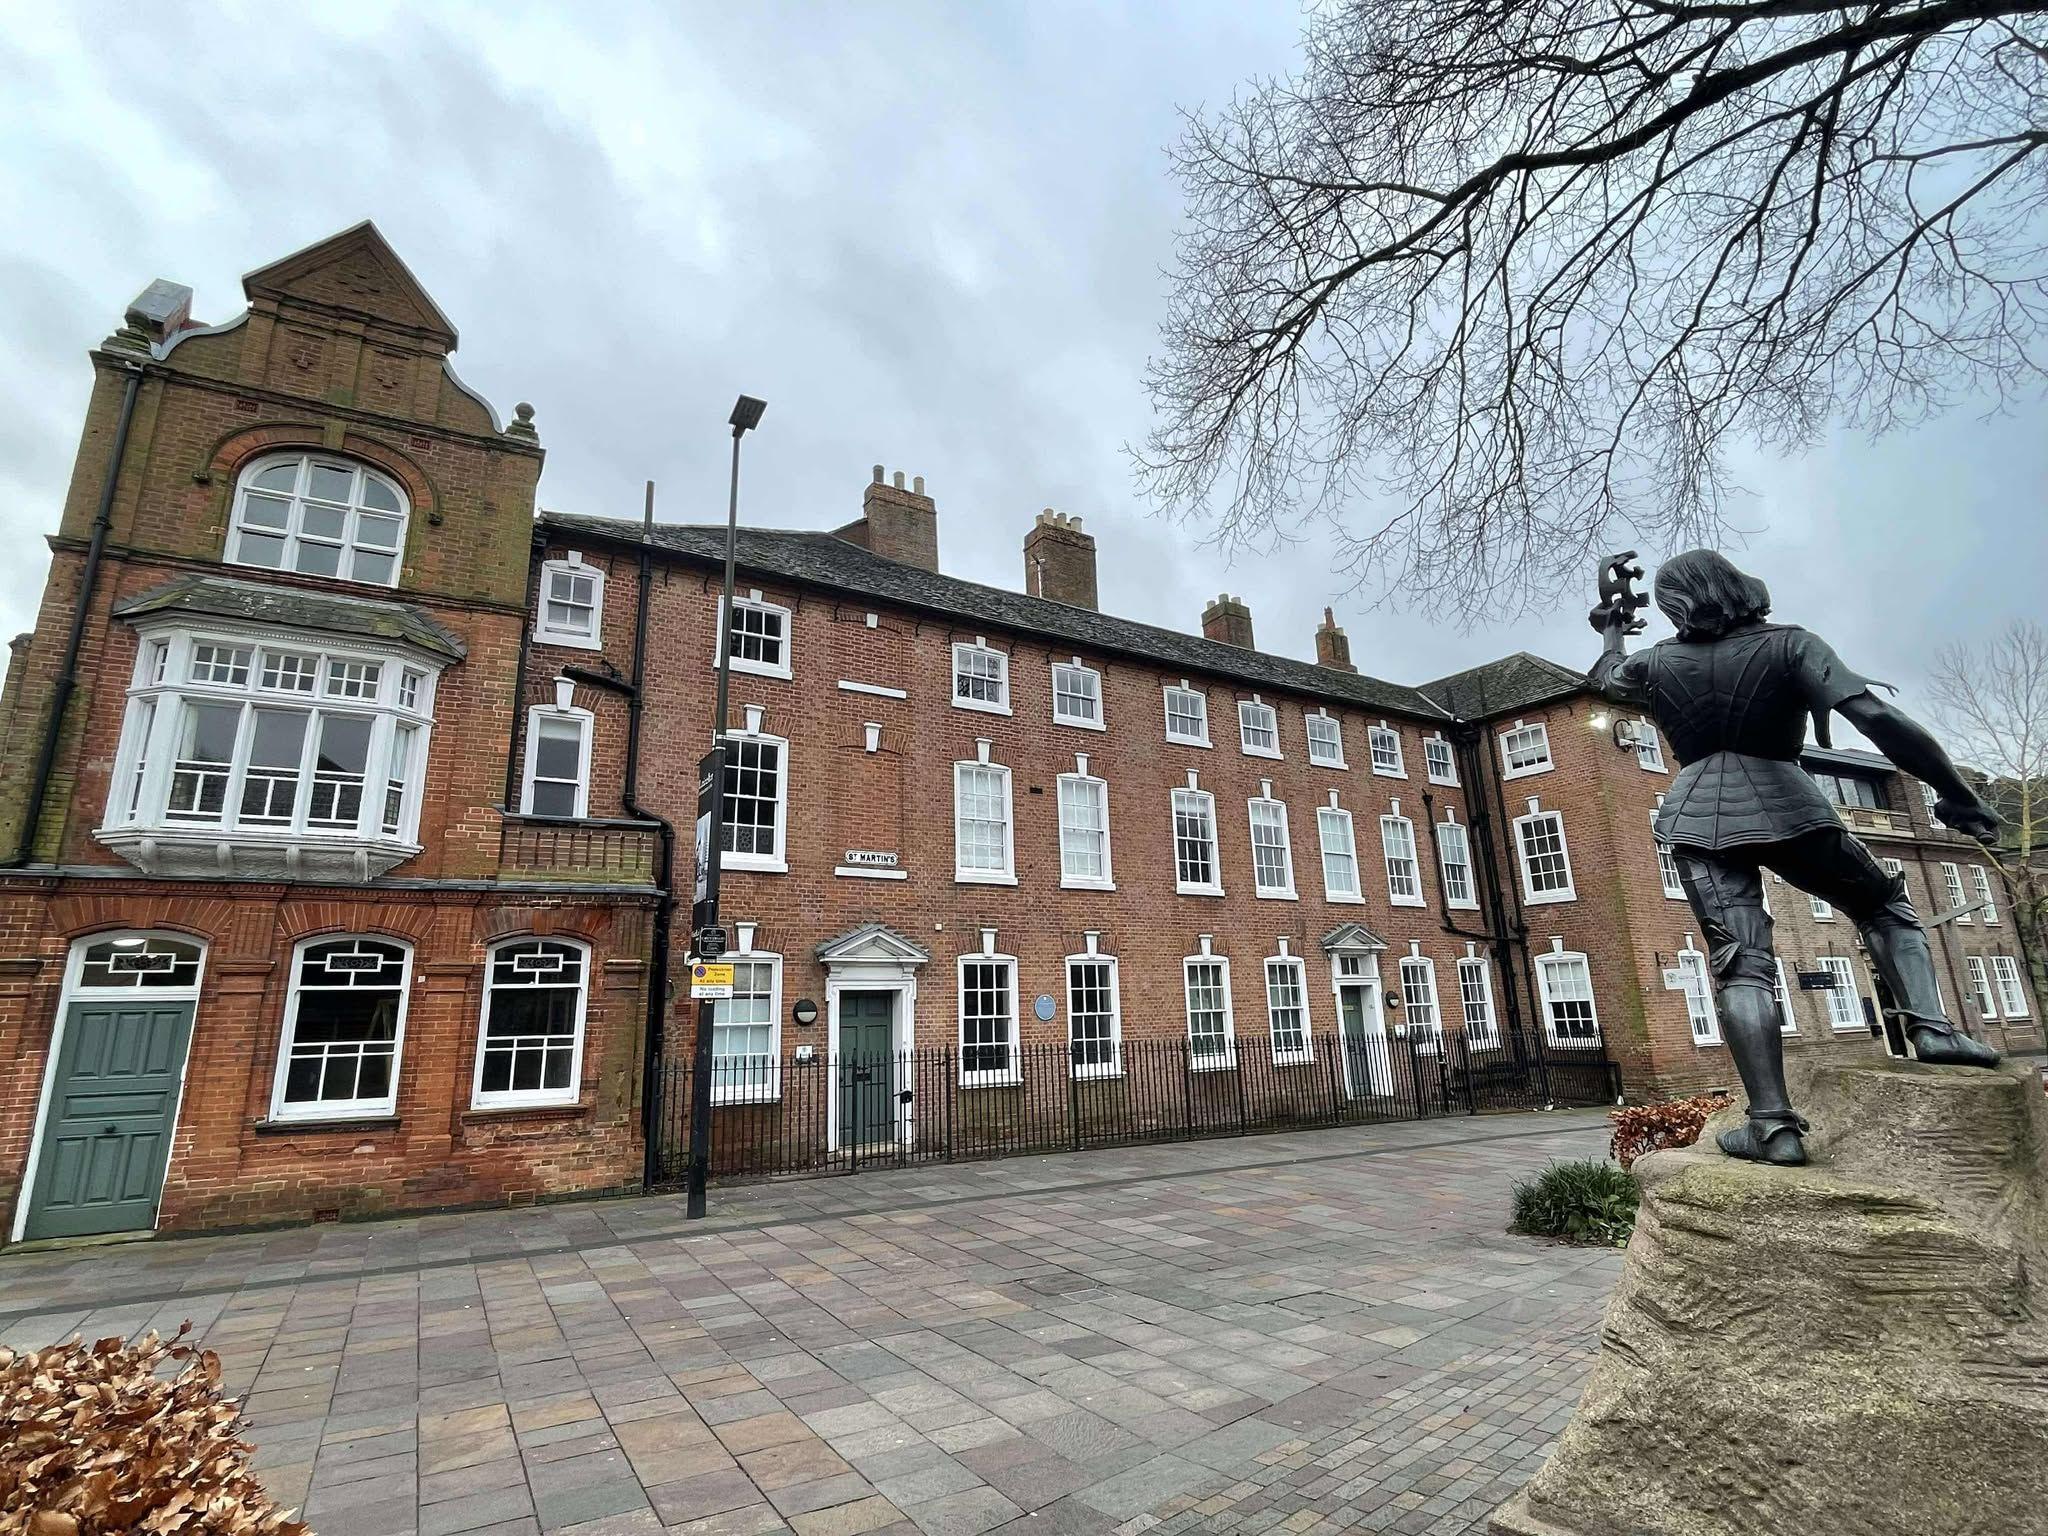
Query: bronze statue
point(1732, 695)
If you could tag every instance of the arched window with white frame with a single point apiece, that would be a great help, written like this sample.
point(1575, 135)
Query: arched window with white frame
point(344, 1029)
point(530, 1039)
point(1566, 981)
point(321, 515)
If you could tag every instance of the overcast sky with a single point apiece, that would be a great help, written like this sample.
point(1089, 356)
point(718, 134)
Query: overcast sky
point(928, 235)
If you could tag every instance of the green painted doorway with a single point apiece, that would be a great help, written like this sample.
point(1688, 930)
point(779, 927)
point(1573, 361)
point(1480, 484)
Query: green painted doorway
point(867, 1069)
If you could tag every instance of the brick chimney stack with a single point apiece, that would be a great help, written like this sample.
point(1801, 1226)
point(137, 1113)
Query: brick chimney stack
point(1229, 620)
point(1059, 560)
point(897, 524)
point(1333, 650)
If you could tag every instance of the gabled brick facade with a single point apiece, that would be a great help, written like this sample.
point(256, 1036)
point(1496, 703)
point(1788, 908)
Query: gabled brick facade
point(339, 355)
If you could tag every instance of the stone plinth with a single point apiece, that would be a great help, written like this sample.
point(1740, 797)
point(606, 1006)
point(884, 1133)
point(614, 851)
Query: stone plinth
point(1854, 1348)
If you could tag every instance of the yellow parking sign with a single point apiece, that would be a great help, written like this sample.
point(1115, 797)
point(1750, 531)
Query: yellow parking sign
point(710, 979)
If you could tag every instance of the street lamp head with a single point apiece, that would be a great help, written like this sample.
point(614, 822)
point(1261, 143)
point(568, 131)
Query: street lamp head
point(746, 415)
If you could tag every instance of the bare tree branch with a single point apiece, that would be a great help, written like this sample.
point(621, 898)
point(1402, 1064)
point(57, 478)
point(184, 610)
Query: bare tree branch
point(1494, 285)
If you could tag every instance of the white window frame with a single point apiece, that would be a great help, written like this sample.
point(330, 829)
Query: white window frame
point(1667, 861)
point(725, 1089)
point(751, 734)
point(1187, 887)
point(1699, 995)
point(2012, 994)
point(1197, 1060)
point(586, 727)
point(1007, 875)
point(1530, 895)
point(1327, 817)
point(1538, 730)
point(1981, 878)
point(1277, 814)
point(1114, 1067)
point(163, 686)
point(546, 632)
point(1547, 963)
point(1387, 765)
point(1334, 756)
point(1952, 888)
point(1445, 842)
point(1649, 747)
point(1787, 1025)
point(981, 649)
point(986, 1077)
point(1416, 977)
point(1292, 965)
point(1394, 822)
point(1246, 712)
point(320, 1110)
point(1062, 789)
point(1482, 1028)
point(1449, 774)
point(1822, 911)
point(515, 1098)
point(1980, 983)
point(1078, 668)
point(1845, 970)
point(753, 602)
point(1201, 698)
point(293, 532)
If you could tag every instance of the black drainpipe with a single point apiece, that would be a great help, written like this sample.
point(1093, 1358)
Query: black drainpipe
point(528, 620)
point(1511, 933)
point(67, 674)
point(665, 906)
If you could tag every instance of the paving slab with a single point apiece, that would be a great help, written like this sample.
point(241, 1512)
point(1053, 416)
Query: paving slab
point(1304, 1333)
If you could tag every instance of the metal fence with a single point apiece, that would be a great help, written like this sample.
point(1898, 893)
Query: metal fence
point(848, 1113)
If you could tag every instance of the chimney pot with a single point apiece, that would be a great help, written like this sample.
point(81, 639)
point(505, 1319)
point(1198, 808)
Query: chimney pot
point(1333, 650)
point(1229, 621)
point(1059, 560)
point(896, 523)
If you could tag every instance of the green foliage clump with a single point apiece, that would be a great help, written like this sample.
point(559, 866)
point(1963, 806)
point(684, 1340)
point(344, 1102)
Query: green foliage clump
point(1580, 1202)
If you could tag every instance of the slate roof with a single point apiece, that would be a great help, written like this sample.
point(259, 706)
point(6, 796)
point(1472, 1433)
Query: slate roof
point(1516, 682)
point(823, 560)
point(332, 613)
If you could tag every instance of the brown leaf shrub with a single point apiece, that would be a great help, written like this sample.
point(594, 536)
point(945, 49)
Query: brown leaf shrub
point(102, 1440)
point(1641, 1128)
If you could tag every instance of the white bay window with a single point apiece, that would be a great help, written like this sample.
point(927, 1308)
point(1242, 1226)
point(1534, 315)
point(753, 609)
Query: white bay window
point(283, 754)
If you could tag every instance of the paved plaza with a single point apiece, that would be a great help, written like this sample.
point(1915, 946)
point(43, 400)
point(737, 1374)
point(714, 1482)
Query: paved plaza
point(1319, 1332)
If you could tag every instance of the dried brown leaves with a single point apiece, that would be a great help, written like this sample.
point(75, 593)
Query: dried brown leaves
point(1644, 1128)
point(99, 1439)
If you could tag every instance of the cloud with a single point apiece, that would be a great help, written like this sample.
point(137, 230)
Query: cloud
point(930, 236)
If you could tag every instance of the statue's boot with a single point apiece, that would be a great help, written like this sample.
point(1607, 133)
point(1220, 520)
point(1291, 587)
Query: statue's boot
point(1765, 1143)
point(1898, 948)
point(1943, 1045)
point(1749, 1024)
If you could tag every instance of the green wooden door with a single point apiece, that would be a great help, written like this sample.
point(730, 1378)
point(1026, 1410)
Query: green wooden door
point(1365, 1046)
point(107, 1132)
point(866, 1069)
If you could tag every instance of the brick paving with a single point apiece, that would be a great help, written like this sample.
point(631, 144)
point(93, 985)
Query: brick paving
point(1320, 1332)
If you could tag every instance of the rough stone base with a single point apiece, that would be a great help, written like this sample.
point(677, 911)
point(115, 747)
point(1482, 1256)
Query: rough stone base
point(1854, 1348)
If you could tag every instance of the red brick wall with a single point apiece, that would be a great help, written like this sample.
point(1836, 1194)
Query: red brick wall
point(316, 364)
point(900, 799)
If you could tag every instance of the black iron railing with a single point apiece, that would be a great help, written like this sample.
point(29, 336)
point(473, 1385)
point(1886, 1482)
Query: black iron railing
point(849, 1113)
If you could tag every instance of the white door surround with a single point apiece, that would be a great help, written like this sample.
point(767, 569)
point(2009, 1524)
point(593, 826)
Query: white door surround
point(872, 958)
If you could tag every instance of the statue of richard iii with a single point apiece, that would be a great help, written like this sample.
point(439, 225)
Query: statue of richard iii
point(1732, 695)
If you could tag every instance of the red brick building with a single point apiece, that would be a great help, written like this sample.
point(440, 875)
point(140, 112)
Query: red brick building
point(272, 948)
point(1556, 773)
point(342, 853)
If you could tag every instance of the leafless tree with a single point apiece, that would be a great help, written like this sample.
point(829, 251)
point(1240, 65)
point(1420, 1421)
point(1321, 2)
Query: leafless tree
point(1991, 702)
point(1491, 281)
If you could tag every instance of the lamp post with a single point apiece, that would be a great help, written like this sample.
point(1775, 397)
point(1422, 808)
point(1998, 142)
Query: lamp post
point(746, 415)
